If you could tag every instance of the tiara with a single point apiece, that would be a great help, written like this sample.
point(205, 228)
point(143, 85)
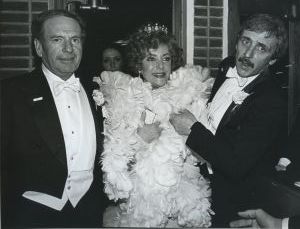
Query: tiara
point(151, 28)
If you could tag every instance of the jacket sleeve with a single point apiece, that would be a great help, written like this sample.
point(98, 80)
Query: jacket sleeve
point(240, 144)
point(6, 156)
point(294, 222)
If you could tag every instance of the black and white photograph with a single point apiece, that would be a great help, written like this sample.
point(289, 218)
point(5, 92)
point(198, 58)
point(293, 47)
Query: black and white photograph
point(150, 114)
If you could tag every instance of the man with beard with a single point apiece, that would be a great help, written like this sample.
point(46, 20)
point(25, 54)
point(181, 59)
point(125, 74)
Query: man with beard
point(245, 113)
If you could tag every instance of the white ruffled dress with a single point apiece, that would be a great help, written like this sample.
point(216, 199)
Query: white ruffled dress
point(156, 184)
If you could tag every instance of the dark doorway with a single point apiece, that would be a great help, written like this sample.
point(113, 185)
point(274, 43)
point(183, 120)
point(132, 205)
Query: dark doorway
point(123, 17)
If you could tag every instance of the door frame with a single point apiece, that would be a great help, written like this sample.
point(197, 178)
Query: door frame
point(183, 27)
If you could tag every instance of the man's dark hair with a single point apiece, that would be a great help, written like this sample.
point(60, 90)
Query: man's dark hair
point(38, 22)
point(272, 25)
point(37, 27)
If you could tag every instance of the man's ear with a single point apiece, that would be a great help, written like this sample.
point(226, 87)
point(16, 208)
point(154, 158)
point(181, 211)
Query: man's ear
point(38, 47)
point(273, 61)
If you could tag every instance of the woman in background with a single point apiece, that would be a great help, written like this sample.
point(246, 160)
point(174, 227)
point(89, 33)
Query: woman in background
point(112, 58)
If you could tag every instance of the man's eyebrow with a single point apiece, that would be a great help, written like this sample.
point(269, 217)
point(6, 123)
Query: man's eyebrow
point(56, 35)
point(245, 37)
point(77, 36)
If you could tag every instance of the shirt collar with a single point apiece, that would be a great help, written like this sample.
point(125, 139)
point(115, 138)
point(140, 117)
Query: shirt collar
point(52, 77)
point(242, 81)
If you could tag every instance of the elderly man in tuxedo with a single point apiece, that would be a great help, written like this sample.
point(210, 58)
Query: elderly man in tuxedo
point(243, 118)
point(51, 135)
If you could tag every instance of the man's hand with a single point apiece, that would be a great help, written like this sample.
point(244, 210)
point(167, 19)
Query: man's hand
point(149, 132)
point(205, 73)
point(182, 122)
point(256, 219)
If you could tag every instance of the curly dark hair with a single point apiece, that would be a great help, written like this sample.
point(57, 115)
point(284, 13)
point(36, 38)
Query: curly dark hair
point(141, 41)
point(270, 24)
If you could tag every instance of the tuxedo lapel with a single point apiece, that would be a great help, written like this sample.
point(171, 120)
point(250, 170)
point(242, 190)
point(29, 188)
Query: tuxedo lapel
point(218, 82)
point(228, 115)
point(45, 114)
point(221, 77)
point(250, 89)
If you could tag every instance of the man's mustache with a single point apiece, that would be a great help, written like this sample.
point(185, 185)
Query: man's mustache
point(246, 61)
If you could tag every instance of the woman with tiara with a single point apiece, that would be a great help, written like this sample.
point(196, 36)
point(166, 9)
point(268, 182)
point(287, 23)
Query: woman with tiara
point(149, 173)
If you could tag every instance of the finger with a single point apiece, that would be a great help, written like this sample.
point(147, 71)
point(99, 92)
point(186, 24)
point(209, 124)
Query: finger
point(199, 68)
point(241, 223)
point(159, 128)
point(184, 111)
point(206, 73)
point(247, 214)
point(156, 123)
point(156, 126)
point(143, 117)
point(172, 116)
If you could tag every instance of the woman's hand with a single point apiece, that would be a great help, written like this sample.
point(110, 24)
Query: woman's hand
point(149, 132)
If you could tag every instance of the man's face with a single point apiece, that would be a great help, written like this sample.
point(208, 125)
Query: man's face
point(254, 53)
point(60, 46)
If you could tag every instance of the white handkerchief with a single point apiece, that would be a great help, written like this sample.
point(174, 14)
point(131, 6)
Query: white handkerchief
point(284, 161)
point(150, 117)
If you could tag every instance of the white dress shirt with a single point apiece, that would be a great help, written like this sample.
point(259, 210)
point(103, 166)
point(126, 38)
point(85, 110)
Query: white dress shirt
point(216, 109)
point(285, 223)
point(79, 134)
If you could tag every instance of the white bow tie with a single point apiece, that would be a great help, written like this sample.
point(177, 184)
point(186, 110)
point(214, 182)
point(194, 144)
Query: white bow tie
point(73, 84)
point(232, 73)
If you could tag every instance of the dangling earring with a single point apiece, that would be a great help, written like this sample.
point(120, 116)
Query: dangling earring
point(140, 73)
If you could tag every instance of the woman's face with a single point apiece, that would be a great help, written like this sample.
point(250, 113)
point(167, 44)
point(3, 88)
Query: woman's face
point(112, 60)
point(156, 66)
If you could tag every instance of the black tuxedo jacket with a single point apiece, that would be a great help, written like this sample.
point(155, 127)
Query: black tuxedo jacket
point(33, 156)
point(294, 222)
point(242, 149)
point(292, 174)
point(291, 151)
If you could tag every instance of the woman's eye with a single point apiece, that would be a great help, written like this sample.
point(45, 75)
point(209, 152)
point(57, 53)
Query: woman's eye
point(166, 59)
point(150, 58)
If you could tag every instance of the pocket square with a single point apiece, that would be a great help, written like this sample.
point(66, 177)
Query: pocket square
point(37, 99)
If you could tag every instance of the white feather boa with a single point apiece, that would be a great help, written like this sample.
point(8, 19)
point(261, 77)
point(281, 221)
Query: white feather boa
point(157, 184)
